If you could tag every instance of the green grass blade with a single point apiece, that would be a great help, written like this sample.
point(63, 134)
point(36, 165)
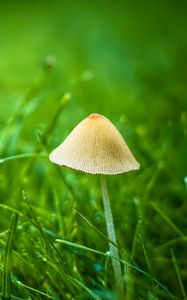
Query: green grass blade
point(89, 291)
point(35, 290)
point(4, 206)
point(22, 156)
point(121, 260)
point(178, 274)
point(51, 125)
point(7, 266)
point(80, 246)
point(95, 228)
point(14, 297)
point(49, 247)
point(145, 254)
point(163, 215)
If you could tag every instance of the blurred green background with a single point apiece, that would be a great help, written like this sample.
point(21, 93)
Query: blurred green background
point(59, 62)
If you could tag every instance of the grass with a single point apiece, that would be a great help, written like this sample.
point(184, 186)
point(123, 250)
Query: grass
point(128, 62)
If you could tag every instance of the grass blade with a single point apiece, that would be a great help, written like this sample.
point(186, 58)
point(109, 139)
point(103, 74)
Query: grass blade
point(22, 156)
point(168, 220)
point(178, 274)
point(83, 286)
point(7, 266)
point(48, 246)
point(121, 260)
point(35, 290)
point(95, 228)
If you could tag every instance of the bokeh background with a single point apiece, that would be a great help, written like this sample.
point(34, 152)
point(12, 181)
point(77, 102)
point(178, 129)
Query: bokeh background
point(59, 62)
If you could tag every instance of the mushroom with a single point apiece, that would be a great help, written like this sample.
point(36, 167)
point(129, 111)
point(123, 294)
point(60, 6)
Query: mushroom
point(95, 146)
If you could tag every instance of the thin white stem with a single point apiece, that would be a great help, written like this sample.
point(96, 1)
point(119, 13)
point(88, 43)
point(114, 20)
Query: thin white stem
point(112, 236)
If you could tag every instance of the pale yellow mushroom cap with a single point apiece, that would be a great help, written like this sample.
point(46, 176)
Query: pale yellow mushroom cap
point(95, 146)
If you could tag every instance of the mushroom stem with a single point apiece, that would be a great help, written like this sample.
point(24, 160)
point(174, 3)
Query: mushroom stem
point(112, 236)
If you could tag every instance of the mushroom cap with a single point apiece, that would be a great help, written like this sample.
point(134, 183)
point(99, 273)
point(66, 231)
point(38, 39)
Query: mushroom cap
point(95, 146)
